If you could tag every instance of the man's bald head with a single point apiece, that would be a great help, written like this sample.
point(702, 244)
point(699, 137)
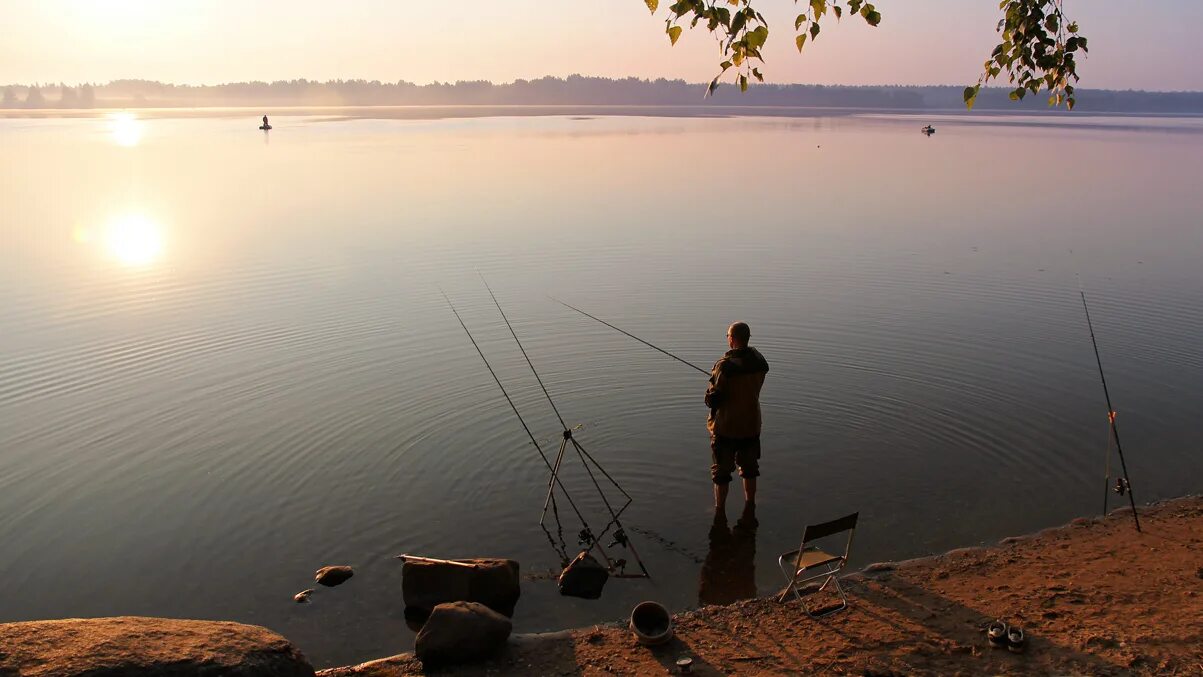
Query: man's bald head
point(738, 335)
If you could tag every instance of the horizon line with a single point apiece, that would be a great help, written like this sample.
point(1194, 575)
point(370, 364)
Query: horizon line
point(439, 83)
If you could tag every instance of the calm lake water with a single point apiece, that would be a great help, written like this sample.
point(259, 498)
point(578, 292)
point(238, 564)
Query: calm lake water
point(226, 361)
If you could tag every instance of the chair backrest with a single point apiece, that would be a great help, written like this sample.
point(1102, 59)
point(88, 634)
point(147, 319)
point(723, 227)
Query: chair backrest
point(816, 531)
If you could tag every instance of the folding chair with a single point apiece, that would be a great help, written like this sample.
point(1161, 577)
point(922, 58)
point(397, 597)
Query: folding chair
point(808, 558)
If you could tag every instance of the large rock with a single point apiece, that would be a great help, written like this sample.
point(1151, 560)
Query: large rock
point(130, 645)
point(492, 582)
point(458, 632)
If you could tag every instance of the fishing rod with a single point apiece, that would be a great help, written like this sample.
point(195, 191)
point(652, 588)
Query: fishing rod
point(646, 343)
point(1122, 486)
point(561, 549)
point(620, 537)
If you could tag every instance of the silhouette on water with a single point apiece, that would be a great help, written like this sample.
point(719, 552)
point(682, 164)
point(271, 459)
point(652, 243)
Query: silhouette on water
point(729, 571)
point(266, 125)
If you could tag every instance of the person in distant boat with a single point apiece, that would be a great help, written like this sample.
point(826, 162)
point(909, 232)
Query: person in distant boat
point(265, 125)
point(733, 397)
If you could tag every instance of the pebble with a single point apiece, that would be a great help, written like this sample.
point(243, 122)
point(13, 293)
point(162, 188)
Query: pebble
point(302, 597)
point(333, 575)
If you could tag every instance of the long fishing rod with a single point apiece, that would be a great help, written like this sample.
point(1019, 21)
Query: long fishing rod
point(561, 549)
point(1122, 484)
point(646, 343)
point(620, 536)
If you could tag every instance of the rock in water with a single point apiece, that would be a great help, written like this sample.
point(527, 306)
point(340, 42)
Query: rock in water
point(146, 647)
point(495, 583)
point(332, 576)
point(302, 596)
point(584, 577)
point(458, 632)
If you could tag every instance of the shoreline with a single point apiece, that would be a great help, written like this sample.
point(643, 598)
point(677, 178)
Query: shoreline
point(1093, 596)
point(161, 110)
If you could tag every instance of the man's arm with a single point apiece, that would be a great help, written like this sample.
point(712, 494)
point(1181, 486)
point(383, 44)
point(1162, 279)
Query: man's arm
point(714, 392)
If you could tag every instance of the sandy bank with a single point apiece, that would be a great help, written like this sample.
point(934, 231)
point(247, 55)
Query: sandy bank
point(1094, 597)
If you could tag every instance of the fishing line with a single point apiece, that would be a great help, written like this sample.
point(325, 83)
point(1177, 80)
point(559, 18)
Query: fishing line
point(646, 343)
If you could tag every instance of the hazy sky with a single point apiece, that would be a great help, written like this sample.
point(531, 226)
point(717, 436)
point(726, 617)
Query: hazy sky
point(1139, 46)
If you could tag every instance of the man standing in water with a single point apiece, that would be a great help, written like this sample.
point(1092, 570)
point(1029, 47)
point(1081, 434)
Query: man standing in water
point(734, 421)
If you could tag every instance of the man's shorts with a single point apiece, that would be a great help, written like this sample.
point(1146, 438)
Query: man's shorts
point(728, 452)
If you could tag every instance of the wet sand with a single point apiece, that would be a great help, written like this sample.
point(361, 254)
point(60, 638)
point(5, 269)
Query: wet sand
point(1094, 597)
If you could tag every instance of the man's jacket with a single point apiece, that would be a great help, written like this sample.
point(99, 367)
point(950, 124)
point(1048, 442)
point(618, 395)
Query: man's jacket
point(734, 393)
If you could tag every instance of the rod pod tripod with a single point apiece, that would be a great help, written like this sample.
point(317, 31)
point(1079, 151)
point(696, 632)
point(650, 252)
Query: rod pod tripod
point(589, 540)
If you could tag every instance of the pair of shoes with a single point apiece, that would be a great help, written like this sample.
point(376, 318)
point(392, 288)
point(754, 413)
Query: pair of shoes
point(1001, 636)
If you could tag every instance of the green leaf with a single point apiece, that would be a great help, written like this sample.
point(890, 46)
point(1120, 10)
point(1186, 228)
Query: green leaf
point(970, 95)
point(819, 7)
point(800, 40)
point(757, 74)
point(873, 18)
point(854, 5)
point(737, 23)
point(674, 32)
point(839, 11)
point(814, 31)
point(725, 65)
point(757, 38)
point(652, 5)
point(743, 83)
point(799, 21)
point(1069, 103)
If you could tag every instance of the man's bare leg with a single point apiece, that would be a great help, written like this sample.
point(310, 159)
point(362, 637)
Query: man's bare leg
point(749, 490)
point(720, 496)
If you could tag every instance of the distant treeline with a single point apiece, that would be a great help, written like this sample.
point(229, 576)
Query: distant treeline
point(573, 90)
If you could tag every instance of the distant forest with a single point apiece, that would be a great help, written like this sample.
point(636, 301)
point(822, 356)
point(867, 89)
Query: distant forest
point(574, 90)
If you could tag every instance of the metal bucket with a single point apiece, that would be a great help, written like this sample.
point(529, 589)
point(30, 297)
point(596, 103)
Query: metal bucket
point(651, 623)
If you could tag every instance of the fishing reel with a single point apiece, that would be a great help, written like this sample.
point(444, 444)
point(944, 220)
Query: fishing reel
point(620, 538)
point(585, 537)
point(1121, 486)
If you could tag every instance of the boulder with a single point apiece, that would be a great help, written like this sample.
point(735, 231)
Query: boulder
point(131, 645)
point(584, 577)
point(332, 576)
point(494, 583)
point(458, 632)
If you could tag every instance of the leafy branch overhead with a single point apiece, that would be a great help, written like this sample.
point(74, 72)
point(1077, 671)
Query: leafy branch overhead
point(1036, 52)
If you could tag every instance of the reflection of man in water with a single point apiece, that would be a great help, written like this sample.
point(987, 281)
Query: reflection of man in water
point(729, 572)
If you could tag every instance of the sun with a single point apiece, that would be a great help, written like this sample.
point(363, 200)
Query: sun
point(134, 240)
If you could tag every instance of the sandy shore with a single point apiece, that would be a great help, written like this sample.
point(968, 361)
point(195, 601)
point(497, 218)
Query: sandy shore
point(1094, 597)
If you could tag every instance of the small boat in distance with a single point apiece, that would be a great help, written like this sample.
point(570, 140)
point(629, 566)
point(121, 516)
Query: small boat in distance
point(265, 126)
point(928, 130)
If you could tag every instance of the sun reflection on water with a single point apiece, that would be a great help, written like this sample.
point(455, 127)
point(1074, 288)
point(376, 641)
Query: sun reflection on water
point(126, 129)
point(133, 240)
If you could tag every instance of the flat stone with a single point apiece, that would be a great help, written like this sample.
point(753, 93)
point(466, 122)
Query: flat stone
point(137, 646)
point(495, 583)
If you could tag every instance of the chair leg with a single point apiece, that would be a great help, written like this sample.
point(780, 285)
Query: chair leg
point(835, 609)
